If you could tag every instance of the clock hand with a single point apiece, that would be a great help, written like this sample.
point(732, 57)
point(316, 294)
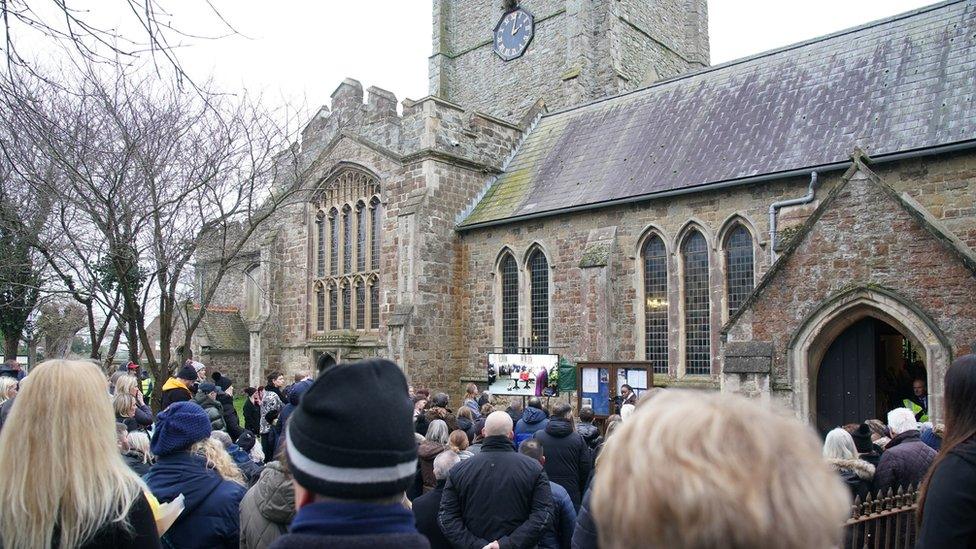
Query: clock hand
point(515, 28)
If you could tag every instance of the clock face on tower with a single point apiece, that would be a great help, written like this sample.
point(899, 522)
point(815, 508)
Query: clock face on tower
point(513, 33)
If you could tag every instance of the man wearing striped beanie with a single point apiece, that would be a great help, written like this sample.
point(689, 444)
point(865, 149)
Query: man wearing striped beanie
point(351, 462)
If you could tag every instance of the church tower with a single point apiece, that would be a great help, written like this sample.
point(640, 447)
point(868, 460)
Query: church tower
point(501, 56)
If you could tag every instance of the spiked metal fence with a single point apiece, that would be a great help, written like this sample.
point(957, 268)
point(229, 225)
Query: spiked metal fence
point(883, 520)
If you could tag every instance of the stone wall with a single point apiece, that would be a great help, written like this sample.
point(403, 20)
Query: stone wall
point(577, 328)
point(581, 51)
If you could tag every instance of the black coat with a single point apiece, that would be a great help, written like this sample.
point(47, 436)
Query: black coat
point(175, 394)
point(425, 509)
point(252, 417)
point(232, 423)
point(496, 495)
point(142, 536)
point(904, 463)
point(950, 503)
point(134, 460)
point(568, 458)
point(589, 432)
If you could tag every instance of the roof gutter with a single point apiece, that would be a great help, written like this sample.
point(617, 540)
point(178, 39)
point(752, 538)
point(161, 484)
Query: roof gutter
point(729, 183)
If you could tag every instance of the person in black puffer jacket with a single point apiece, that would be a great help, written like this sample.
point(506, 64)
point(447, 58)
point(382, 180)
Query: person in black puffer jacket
point(586, 429)
point(225, 396)
point(496, 495)
point(568, 458)
point(252, 410)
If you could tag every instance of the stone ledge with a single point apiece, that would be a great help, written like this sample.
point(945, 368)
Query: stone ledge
point(748, 365)
point(748, 349)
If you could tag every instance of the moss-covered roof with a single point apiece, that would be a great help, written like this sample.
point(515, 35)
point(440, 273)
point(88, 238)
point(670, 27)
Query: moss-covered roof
point(899, 84)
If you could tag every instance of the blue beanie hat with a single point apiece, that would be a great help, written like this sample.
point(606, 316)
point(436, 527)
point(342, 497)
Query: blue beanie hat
point(178, 427)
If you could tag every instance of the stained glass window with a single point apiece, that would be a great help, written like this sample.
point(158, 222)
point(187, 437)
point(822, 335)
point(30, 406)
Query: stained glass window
point(698, 358)
point(509, 273)
point(738, 267)
point(346, 309)
point(656, 304)
point(539, 278)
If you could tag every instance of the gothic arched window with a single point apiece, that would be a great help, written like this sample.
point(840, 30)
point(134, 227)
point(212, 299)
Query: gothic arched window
point(656, 304)
point(698, 357)
point(319, 309)
point(350, 203)
point(539, 300)
point(334, 241)
point(320, 244)
point(361, 235)
point(738, 267)
point(510, 318)
point(360, 305)
point(376, 222)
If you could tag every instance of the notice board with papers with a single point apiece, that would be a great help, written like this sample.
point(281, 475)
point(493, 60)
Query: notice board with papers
point(599, 383)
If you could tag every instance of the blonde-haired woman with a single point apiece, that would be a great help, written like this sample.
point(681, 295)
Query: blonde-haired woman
point(188, 462)
point(129, 385)
point(8, 388)
point(65, 485)
point(715, 470)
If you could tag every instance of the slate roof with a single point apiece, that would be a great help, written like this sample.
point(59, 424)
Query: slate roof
point(903, 83)
point(225, 330)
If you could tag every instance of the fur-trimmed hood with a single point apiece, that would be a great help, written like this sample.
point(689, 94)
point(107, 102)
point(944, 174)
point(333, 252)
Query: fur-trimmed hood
point(859, 467)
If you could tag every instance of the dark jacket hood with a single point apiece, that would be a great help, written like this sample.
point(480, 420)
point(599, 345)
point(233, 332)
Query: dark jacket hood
point(533, 416)
point(559, 427)
point(464, 423)
point(183, 473)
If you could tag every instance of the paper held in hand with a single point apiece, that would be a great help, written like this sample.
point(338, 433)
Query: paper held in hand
point(168, 513)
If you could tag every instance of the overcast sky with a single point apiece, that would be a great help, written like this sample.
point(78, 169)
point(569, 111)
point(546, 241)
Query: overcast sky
point(301, 50)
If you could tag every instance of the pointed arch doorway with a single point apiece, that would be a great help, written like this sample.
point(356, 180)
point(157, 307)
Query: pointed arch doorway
point(867, 370)
point(887, 316)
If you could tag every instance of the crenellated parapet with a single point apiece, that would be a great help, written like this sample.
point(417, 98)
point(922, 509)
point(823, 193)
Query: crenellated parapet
point(429, 126)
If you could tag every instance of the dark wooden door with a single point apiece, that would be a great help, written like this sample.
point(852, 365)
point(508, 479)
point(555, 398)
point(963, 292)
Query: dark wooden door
point(846, 380)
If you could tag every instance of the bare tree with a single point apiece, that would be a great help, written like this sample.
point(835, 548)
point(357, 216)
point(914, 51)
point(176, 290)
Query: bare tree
point(143, 170)
point(23, 212)
point(59, 321)
point(107, 32)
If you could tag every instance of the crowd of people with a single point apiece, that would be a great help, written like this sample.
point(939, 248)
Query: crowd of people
point(315, 464)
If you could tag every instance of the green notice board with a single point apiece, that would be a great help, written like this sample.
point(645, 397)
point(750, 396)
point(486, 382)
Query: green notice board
point(567, 376)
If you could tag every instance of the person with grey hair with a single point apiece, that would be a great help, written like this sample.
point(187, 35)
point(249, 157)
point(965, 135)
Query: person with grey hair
point(841, 454)
point(906, 458)
point(426, 507)
point(434, 443)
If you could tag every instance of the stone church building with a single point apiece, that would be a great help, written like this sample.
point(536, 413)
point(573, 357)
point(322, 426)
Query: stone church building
point(797, 226)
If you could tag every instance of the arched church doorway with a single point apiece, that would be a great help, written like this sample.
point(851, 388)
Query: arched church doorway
point(867, 370)
point(323, 360)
